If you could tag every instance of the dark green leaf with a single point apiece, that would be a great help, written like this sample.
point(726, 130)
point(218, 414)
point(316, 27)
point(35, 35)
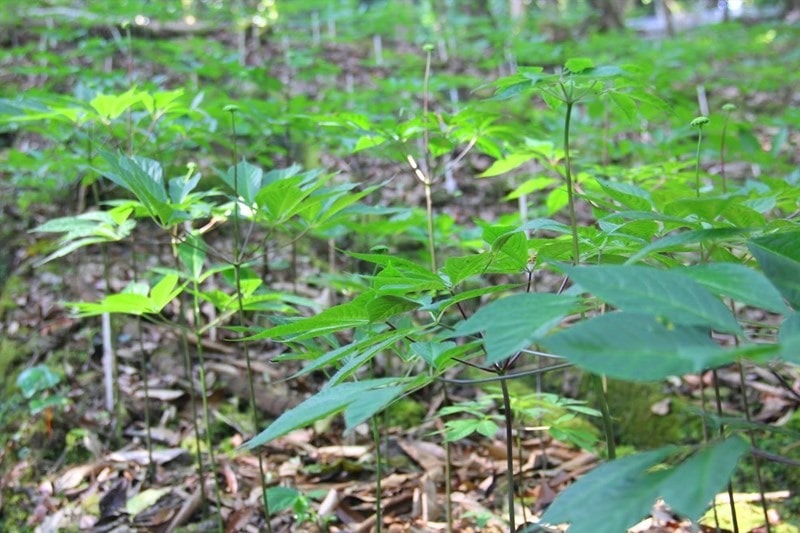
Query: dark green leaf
point(636, 347)
point(513, 323)
point(778, 254)
point(367, 397)
point(738, 282)
point(667, 294)
point(623, 491)
point(36, 379)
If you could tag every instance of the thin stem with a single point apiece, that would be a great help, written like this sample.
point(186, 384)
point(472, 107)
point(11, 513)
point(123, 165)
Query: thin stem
point(376, 438)
point(509, 455)
point(187, 366)
point(237, 254)
point(204, 392)
point(718, 401)
point(448, 482)
point(428, 181)
point(753, 445)
point(608, 426)
point(726, 108)
point(598, 381)
point(697, 164)
point(151, 467)
point(573, 220)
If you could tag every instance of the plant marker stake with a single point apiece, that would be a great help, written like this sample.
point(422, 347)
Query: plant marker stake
point(315, 28)
point(377, 45)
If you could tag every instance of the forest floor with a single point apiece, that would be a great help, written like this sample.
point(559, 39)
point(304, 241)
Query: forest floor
point(76, 466)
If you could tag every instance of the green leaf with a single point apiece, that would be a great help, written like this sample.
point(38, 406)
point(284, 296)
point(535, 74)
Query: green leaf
point(369, 403)
point(628, 195)
point(689, 487)
point(624, 103)
point(282, 498)
point(402, 281)
point(192, 253)
point(458, 269)
point(636, 347)
point(623, 491)
point(349, 315)
point(367, 397)
point(144, 178)
point(789, 338)
point(456, 430)
point(531, 185)
point(431, 352)
point(778, 254)
point(739, 282)
point(577, 65)
point(281, 200)
point(401, 275)
point(617, 491)
point(487, 428)
point(144, 500)
point(164, 292)
point(111, 106)
point(37, 379)
point(507, 164)
point(369, 346)
point(244, 180)
point(125, 303)
point(513, 323)
point(385, 307)
point(667, 294)
point(680, 241)
point(92, 227)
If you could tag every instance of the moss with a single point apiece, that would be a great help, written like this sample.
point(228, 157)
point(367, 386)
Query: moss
point(405, 413)
point(636, 425)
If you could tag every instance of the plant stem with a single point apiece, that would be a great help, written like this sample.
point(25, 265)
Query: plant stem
point(598, 381)
point(204, 392)
point(376, 438)
point(151, 467)
point(573, 220)
point(608, 426)
point(697, 164)
point(428, 181)
point(753, 444)
point(718, 401)
point(237, 258)
point(722, 157)
point(187, 366)
point(448, 483)
point(509, 455)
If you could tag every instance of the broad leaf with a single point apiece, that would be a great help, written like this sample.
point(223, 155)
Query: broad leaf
point(513, 323)
point(365, 397)
point(689, 487)
point(349, 315)
point(667, 294)
point(618, 493)
point(244, 180)
point(507, 164)
point(789, 338)
point(680, 241)
point(458, 269)
point(738, 282)
point(778, 255)
point(623, 491)
point(636, 347)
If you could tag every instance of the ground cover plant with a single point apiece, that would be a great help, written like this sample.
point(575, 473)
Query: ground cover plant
point(341, 266)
